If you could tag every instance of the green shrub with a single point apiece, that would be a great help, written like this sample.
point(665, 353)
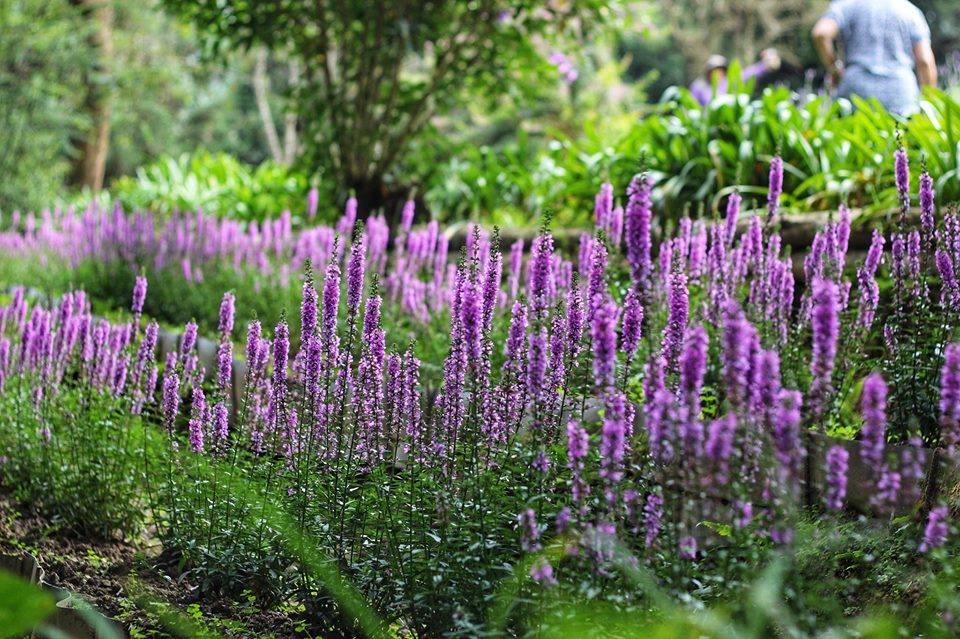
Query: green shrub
point(219, 184)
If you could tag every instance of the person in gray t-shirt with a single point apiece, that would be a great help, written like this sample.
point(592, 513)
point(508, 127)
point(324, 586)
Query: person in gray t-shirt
point(884, 42)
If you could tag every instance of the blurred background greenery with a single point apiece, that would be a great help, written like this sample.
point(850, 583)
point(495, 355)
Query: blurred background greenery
point(241, 108)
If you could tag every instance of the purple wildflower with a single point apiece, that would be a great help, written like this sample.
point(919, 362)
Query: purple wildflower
point(226, 314)
point(825, 325)
point(529, 531)
point(189, 339)
point(139, 295)
point(613, 439)
point(578, 444)
point(873, 432)
point(652, 518)
point(171, 399)
point(902, 174)
point(949, 287)
point(936, 530)
point(220, 422)
point(331, 302)
point(837, 460)
point(719, 445)
point(542, 572)
point(355, 272)
point(693, 366)
point(224, 364)
point(574, 320)
point(308, 311)
point(927, 222)
point(950, 398)
point(677, 308)
point(540, 273)
point(775, 188)
point(733, 214)
point(632, 321)
point(688, 547)
point(604, 337)
point(471, 320)
point(563, 520)
point(637, 228)
point(537, 363)
point(313, 200)
point(786, 433)
point(198, 410)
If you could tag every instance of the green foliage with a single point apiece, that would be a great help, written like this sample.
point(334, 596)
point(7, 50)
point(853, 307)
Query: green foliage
point(42, 50)
point(833, 151)
point(218, 183)
point(166, 102)
point(22, 606)
point(90, 473)
point(382, 71)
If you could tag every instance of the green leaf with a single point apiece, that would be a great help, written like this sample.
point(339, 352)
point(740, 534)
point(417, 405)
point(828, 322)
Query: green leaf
point(22, 606)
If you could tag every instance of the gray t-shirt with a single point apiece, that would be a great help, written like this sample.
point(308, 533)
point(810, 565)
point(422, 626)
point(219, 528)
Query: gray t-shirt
point(879, 35)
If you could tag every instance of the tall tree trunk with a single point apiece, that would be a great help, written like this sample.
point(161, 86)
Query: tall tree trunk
point(291, 145)
point(98, 104)
point(261, 92)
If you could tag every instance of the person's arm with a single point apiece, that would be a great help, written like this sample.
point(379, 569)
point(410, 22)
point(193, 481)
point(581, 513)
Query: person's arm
point(824, 34)
point(926, 63)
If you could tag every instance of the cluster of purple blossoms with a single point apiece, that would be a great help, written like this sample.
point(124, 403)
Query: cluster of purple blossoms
point(837, 464)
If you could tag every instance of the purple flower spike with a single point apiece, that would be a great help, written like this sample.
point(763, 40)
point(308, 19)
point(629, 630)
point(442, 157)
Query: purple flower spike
point(308, 311)
point(139, 295)
point(825, 324)
point(927, 222)
point(637, 228)
point(529, 531)
point(837, 460)
point(775, 188)
point(226, 314)
point(313, 200)
point(652, 518)
point(603, 334)
point(171, 399)
point(613, 440)
point(901, 171)
point(874, 407)
point(693, 364)
point(355, 272)
point(678, 308)
point(935, 533)
point(198, 411)
point(950, 399)
point(733, 214)
point(632, 321)
point(541, 572)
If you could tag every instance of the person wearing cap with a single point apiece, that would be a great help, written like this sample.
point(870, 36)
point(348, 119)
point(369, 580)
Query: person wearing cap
point(715, 73)
point(886, 45)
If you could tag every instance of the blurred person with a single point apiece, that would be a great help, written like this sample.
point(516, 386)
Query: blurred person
point(715, 71)
point(886, 45)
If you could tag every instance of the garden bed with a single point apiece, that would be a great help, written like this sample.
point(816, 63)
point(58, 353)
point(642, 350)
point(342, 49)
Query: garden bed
point(127, 583)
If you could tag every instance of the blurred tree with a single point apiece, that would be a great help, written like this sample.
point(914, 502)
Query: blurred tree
point(286, 152)
point(944, 19)
point(44, 49)
point(169, 101)
point(741, 29)
point(94, 143)
point(375, 73)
